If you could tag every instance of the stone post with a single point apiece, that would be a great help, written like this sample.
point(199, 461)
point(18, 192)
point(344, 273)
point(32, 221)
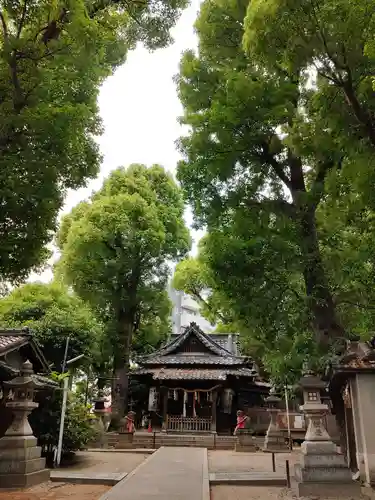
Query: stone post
point(323, 471)
point(99, 412)
point(21, 464)
point(126, 431)
point(274, 440)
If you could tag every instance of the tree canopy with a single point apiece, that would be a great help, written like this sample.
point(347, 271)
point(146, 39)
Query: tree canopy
point(268, 166)
point(334, 38)
point(115, 253)
point(54, 57)
point(53, 314)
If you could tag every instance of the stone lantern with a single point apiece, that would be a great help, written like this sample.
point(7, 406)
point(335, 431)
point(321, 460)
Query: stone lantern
point(99, 408)
point(99, 412)
point(21, 464)
point(323, 471)
point(274, 440)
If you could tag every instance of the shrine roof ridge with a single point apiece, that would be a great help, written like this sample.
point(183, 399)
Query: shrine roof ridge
point(193, 329)
point(192, 359)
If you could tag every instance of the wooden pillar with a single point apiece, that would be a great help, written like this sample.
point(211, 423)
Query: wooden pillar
point(185, 400)
point(213, 416)
point(165, 408)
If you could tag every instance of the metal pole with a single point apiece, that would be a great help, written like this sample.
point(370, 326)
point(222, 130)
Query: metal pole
point(87, 389)
point(287, 473)
point(288, 417)
point(62, 418)
point(65, 355)
point(273, 462)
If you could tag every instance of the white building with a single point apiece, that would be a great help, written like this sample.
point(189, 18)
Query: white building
point(185, 311)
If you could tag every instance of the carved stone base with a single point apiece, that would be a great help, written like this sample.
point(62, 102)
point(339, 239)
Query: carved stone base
point(323, 472)
point(21, 464)
point(324, 490)
point(275, 443)
point(125, 440)
point(244, 442)
point(18, 481)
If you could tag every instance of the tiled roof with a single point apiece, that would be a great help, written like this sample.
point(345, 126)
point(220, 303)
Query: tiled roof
point(358, 355)
point(193, 329)
point(15, 339)
point(192, 359)
point(169, 354)
point(12, 339)
point(227, 341)
point(194, 374)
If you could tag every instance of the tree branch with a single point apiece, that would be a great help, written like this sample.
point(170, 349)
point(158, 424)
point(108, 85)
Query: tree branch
point(4, 26)
point(22, 20)
point(278, 168)
point(317, 187)
point(275, 206)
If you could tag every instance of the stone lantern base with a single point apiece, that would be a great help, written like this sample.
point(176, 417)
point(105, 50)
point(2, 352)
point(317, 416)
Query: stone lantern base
point(245, 441)
point(21, 465)
point(275, 443)
point(324, 473)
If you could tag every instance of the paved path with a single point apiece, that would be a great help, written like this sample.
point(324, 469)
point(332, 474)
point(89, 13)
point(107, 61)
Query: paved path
point(168, 474)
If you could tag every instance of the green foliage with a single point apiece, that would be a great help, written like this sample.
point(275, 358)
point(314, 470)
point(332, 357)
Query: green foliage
point(115, 253)
point(194, 277)
point(45, 422)
point(278, 169)
point(332, 38)
point(53, 314)
point(54, 57)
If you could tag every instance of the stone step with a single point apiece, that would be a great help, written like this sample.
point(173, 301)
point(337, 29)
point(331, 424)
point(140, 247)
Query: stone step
point(248, 478)
point(103, 478)
point(142, 451)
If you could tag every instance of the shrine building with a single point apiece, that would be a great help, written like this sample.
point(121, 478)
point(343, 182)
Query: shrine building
point(198, 381)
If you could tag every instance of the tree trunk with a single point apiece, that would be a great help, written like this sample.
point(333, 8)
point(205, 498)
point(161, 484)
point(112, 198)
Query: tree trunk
point(322, 308)
point(120, 386)
point(320, 301)
point(361, 112)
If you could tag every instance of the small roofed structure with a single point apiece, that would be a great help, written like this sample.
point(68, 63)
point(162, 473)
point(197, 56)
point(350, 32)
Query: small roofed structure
point(16, 347)
point(353, 385)
point(198, 381)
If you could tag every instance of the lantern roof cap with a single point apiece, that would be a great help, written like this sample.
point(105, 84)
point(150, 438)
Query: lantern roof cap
point(273, 397)
point(311, 381)
point(25, 379)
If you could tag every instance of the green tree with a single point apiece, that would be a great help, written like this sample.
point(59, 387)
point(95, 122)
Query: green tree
point(53, 314)
point(271, 323)
point(54, 57)
point(253, 154)
point(194, 276)
point(116, 252)
point(331, 38)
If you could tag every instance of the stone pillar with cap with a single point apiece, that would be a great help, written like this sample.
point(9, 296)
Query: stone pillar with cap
point(99, 412)
point(274, 440)
point(323, 471)
point(21, 464)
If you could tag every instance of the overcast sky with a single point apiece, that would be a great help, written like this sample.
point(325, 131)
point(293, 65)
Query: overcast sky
point(139, 107)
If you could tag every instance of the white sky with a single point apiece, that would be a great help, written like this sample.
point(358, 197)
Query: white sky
point(139, 107)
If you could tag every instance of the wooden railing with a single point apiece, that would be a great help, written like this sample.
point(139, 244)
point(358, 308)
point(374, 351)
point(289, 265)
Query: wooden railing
point(188, 424)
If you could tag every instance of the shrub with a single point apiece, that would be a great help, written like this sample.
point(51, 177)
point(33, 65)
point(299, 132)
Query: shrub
point(45, 422)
